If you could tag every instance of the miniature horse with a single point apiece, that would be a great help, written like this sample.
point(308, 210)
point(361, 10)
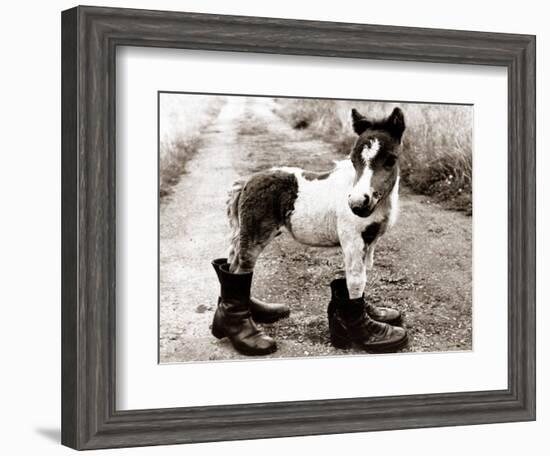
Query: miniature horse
point(351, 206)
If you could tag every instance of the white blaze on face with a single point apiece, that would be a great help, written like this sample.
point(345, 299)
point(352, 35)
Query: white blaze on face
point(363, 186)
point(370, 150)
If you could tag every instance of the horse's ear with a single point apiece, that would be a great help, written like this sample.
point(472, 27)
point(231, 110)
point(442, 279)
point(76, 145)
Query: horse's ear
point(359, 122)
point(395, 123)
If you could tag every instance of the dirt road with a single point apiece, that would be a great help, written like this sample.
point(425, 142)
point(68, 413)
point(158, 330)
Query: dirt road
point(422, 267)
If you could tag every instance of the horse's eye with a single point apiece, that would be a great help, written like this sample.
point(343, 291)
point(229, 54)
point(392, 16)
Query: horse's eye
point(389, 162)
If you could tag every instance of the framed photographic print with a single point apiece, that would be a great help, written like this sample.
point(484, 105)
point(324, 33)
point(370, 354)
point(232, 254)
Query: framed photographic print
point(279, 228)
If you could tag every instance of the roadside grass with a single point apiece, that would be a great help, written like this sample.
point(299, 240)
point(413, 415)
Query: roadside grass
point(437, 144)
point(183, 118)
point(249, 126)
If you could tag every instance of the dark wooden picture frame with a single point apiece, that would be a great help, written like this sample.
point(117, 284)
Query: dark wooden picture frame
point(90, 36)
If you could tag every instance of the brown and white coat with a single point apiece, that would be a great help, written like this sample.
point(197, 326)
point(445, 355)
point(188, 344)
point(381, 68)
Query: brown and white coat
point(351, 206)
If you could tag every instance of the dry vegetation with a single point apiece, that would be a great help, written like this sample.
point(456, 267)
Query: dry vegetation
point(437, 145)
point(182, 118)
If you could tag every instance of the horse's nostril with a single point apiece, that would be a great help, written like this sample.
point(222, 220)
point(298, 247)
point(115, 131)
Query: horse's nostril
point(367, 199)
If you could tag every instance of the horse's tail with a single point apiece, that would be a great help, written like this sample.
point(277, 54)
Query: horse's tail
point(233, 217)
point(233, 204)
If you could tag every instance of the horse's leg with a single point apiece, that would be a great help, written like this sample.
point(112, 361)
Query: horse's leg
point(234, 314)
point(233, 247)
point(352, 320)
point(245, 255)
point(353, 248)
point(251, 242)
point(370, 255)
point(358, 259)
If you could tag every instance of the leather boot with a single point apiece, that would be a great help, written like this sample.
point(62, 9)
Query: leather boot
point(349, 323)
point(383, 314)
point(232, 318)
point(262, 312)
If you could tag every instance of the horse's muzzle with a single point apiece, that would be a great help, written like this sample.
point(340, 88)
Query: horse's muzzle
point(361, 211)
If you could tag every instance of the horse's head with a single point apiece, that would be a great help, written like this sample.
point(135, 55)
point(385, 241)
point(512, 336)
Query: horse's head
point(375, 157)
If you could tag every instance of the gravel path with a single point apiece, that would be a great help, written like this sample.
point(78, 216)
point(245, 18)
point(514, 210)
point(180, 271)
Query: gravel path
point(422, 267)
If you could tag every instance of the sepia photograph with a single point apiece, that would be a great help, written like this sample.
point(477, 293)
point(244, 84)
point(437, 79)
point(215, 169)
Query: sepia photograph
point(318, 227)
point(302, 227)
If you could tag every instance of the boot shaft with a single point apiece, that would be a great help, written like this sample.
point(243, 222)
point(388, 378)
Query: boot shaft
point(232, 318)
point(262, 312)
point(342, 304)
point(233, 287)
point(217, 263)
point(350, 323)
point(339, 290)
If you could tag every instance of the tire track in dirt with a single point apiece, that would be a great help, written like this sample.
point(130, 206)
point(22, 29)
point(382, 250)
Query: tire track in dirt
point(422, 267)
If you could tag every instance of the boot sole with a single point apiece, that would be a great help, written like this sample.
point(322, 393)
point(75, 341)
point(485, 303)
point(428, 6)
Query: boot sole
point(395, 322)
point(219, 334)
point(344, 343)
point(246, 352)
